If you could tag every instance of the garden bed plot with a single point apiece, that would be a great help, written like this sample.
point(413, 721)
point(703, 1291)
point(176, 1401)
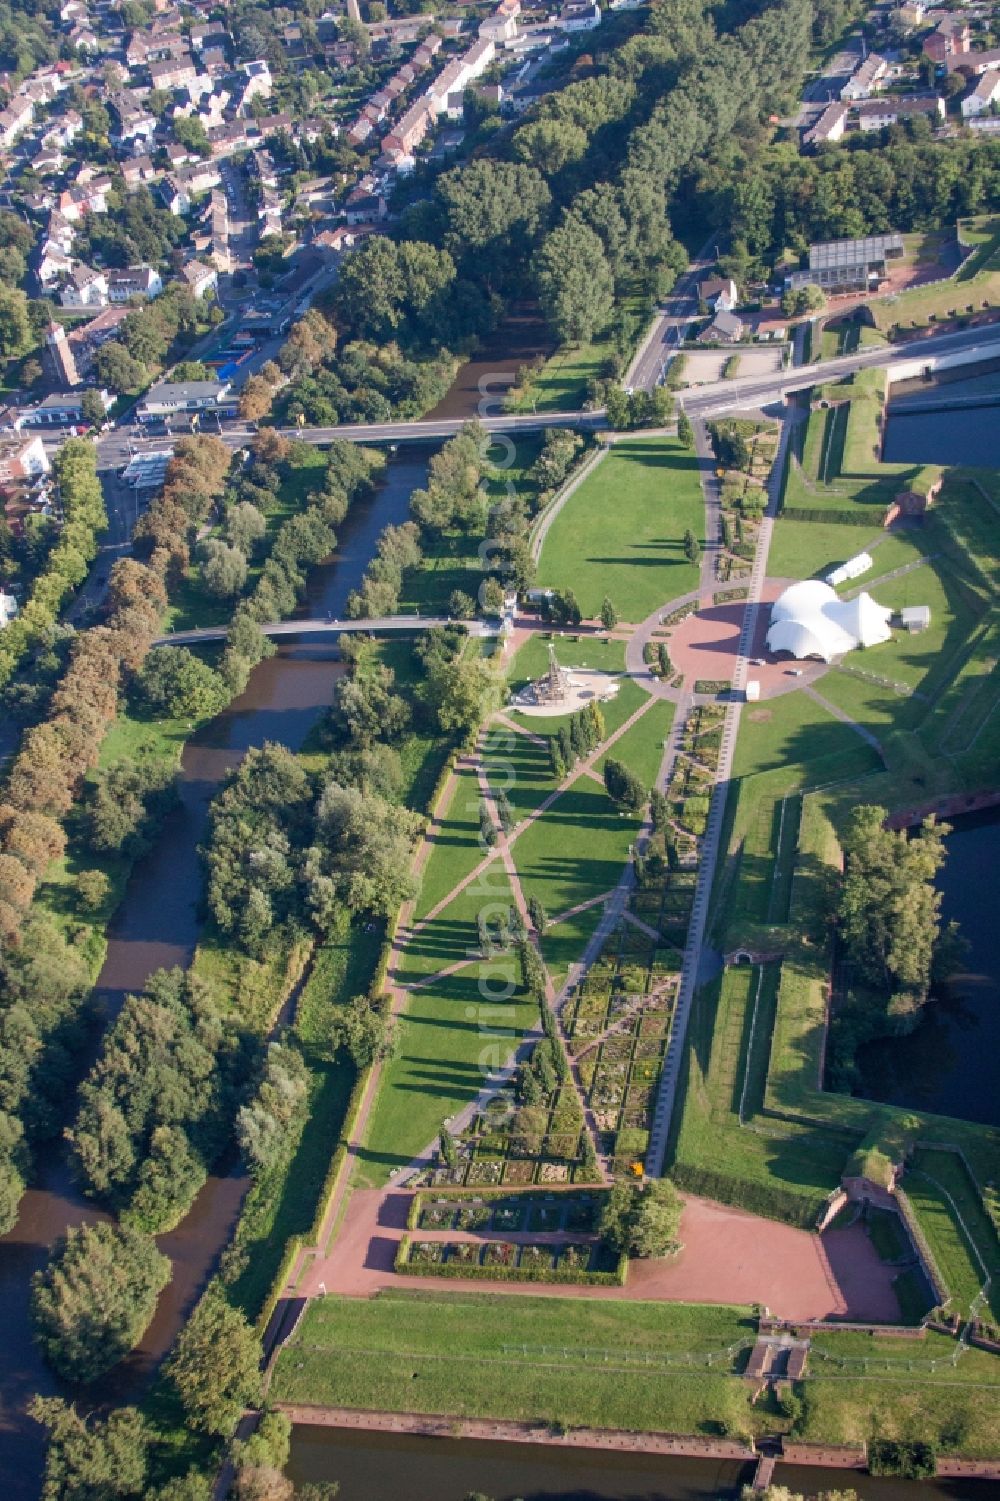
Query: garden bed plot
point(573, 1213)
point(523, 1144)
point(494, 1260)
point(621, 1075)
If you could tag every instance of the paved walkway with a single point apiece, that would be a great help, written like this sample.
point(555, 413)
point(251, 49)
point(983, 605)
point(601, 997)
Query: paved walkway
point(727, 1255)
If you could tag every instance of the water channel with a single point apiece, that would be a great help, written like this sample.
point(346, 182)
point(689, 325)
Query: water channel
point(390, 1467)
point(961, 435)
point(157, 925)
point(950, 1064)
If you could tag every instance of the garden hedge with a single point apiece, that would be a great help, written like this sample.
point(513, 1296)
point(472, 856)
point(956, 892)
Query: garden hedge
point(472, 1272)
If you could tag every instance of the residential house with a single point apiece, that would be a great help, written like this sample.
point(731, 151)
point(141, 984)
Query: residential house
point(209, 34)
point(214, 61)
point(876, 114)
point(169, 399)
point(829, 127)
point(366, 204)
point(201, 280)
point(64, 130)
point(86, 288)
point(501, 26)
point(910, 14)
point(983, 96)
point(84, 39)
point(976, 63)
point(849, 265)
point(53, 265)
point(254, 82)
point(725, 328)
point(131, 123)
point(406, 135)
point(22, 459)
point(15, 119)
point(580, 15)
point(950, 38)
point(145, 48)
point(173, 72)
point(719, 292)
point(134, 281)
point(866, 78)
point(446, 95)
point(8, 608)
point(139, 170)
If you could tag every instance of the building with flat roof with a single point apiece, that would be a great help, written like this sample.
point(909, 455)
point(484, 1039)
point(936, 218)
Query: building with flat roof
point(849, 265)
point(185, 398)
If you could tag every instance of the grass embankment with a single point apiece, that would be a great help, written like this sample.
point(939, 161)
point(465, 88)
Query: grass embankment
point(973, 288)
point(643, 1367)
point(622, 533)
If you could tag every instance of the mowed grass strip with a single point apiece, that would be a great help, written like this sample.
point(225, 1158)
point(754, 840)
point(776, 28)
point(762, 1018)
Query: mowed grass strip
point(520, 1358)
point(450, 1038)
point(455, 846)
point(564, 942)
point(576, 849)
point(452, 935)
point(621, 533)
point(957, 1226)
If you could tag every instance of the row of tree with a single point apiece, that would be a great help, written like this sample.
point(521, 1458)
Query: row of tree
point(84, 518)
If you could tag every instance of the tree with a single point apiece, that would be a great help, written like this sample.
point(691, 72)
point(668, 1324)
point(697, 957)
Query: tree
point(223, 569)
point(190, 132)
point(461, 692)
point(798, 300)
point(92, 1459)
point(120, 370)
point(691, 549)
point(256, 399)
point(365, 1030)
point(92, 408)
point(266, 1124)
point(623, 786)
point(215, 1366)
point(96, 1296)
point(461, 606)
point(93, 888)
point(609, 615)
point(245, 526)
point(642, 1220)
point(361, 854)
point(685, 432)
point(16, 333)
point(175, 684)
point(575, 284)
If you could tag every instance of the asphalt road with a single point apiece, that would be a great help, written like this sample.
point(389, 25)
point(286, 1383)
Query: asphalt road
point(677, 311)
point(728, 395)
point(326, 625)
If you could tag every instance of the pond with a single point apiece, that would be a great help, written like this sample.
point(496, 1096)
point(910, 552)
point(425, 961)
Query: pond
point(951, 1063)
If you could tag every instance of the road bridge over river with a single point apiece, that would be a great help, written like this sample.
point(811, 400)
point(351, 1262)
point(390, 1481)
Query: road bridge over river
point(326, 625)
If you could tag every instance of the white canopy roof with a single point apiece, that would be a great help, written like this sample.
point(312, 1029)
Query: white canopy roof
point(808, 620)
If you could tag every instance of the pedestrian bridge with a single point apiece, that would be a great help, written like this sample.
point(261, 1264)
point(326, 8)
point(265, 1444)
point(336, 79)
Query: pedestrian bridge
point(328, 625)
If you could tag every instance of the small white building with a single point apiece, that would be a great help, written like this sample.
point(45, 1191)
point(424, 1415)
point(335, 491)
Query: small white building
point(985, 94)
point(852, 569)
point(8, 608)
point(914, 618)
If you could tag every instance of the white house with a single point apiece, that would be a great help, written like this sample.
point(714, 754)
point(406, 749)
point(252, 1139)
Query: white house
point(134, 281)
point(985, 94)
point(22, 458)
point(866, 78)
point(719, 292)
point(580, 15)
point(201, 279)
point(8, 608)
point(86, 288)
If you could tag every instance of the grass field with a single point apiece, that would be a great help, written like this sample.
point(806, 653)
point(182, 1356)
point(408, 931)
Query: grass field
point(637, 1366)
point(576, 850)
point(610, 1365)
point(795, 730)
point(621, 533)
point(450, 1038)
point(641, 747)
point(456, 849)
point(944, 1198)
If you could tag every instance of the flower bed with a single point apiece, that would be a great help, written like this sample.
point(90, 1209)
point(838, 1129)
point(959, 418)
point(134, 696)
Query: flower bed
point(500, 1262)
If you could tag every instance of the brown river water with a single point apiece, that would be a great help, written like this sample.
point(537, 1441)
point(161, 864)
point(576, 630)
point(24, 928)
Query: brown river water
point(157, 925)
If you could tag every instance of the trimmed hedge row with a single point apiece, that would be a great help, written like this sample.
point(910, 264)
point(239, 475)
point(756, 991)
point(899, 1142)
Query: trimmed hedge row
point(801, 1210)
point(827, 513)
point(471, 1272)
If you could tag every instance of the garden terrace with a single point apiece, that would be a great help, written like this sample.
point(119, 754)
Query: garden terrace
point(507, 1261)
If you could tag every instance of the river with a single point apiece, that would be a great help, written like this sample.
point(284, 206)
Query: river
point(951, 1063)
point(389, 1467)
point(157, 925)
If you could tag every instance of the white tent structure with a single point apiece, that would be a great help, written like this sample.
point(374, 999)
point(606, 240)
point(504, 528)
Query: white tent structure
point(809, 620)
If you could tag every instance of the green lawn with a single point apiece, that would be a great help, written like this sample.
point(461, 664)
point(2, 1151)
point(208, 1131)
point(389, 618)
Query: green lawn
point(807, 549)
point(576, 850)
point(615, 711)
point(564, 942)
point(621, 532)
point(940, 1190)
point(532, 659)
point(520, 767)
point(475, 1355)
point(456, 848)
point(641, 747)
point(450, 1038)
point(451, 936)
point(795, 730)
